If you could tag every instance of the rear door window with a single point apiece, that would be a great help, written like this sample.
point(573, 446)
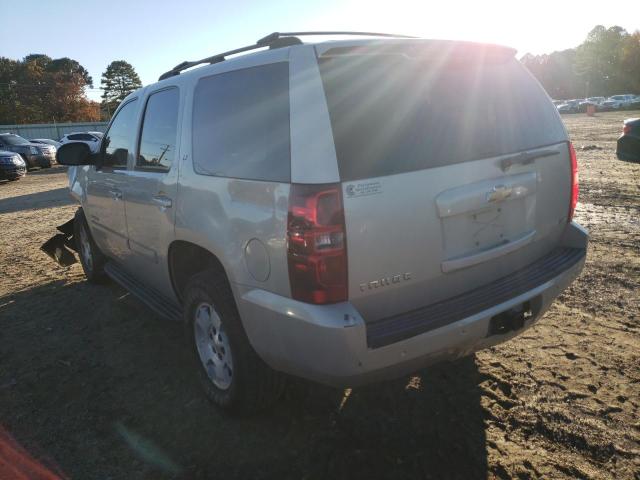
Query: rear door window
point(159, 131)
point(241, 124)
point(392, 114)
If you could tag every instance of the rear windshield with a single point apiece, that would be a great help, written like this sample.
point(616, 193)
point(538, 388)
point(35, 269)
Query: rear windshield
point(392, 114)
point(12, 139)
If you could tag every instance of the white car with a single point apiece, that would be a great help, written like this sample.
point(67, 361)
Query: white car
point(618, 101)
point(92, 139)
point(595, 100)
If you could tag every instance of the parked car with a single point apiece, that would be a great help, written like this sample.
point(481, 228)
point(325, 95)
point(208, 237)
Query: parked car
point(616, 102)
point(595, 101)
point(90, 138)
point(12, 166)
point(634, 104)
point(628, 145)
point(609, 105)
point(569, 106)
point(34, 155)
point(565, 108)
point(46, 141)
point(312, 209)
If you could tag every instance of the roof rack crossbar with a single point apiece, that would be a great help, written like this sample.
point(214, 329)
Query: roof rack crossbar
point(273, 40)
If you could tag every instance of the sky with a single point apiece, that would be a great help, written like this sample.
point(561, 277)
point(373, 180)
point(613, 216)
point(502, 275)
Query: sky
point(156, 35)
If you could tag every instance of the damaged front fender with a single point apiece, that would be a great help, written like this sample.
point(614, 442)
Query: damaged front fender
point(61, 246)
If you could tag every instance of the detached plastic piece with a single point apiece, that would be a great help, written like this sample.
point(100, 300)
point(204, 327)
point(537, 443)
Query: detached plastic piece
point(66, 228)
point(60, 247)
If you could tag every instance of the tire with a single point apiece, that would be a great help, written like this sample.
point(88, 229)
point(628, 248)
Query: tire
point(234, 377)
point(26, 163)
point(91, 258)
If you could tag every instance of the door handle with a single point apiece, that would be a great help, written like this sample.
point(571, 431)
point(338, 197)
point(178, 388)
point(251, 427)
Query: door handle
point(116, 194)
point(162, 201)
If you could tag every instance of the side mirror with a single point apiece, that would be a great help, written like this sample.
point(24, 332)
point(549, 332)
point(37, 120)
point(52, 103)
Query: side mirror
point(75, 153)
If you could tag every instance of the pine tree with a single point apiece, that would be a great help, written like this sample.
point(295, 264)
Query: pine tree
point(118, 81)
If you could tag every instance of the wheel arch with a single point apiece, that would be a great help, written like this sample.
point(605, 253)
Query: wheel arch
point(186, 259)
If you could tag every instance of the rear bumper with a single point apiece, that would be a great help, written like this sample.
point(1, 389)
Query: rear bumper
point(332, 344)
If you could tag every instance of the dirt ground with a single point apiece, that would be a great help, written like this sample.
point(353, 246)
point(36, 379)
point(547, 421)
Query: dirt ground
point(97, 387)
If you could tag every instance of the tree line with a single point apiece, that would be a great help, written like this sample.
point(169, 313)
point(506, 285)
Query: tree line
point(40, 89)
point(605, 64)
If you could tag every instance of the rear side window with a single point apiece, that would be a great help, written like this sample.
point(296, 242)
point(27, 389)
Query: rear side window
point(393, 113)
point(159, 131)
point(241, 124)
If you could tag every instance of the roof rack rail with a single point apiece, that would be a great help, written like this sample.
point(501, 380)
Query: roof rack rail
point(220, 57)
point(273, 40)
point(276, 35)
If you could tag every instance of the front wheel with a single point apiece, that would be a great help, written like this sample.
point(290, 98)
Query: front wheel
point(231, 372)
point(27, 165)
point(91, 258)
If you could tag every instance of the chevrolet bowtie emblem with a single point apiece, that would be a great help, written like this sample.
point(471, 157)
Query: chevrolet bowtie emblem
point(499, 193)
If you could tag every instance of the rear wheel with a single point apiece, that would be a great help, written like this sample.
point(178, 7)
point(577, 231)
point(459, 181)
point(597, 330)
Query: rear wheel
point(91, 259)
point(232, 374)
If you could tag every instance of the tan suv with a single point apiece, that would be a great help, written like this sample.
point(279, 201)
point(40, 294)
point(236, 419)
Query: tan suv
point(345, 211)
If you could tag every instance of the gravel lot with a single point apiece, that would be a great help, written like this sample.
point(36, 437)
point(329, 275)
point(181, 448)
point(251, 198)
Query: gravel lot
point(97, 387)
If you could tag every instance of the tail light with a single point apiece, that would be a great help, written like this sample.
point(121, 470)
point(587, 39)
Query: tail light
point(317, 252)
point(626, 129)
point(574, 181)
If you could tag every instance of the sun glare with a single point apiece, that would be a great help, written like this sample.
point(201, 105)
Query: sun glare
point(536, 28)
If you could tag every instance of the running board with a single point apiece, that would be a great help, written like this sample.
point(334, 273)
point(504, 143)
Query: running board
point(150, 297)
